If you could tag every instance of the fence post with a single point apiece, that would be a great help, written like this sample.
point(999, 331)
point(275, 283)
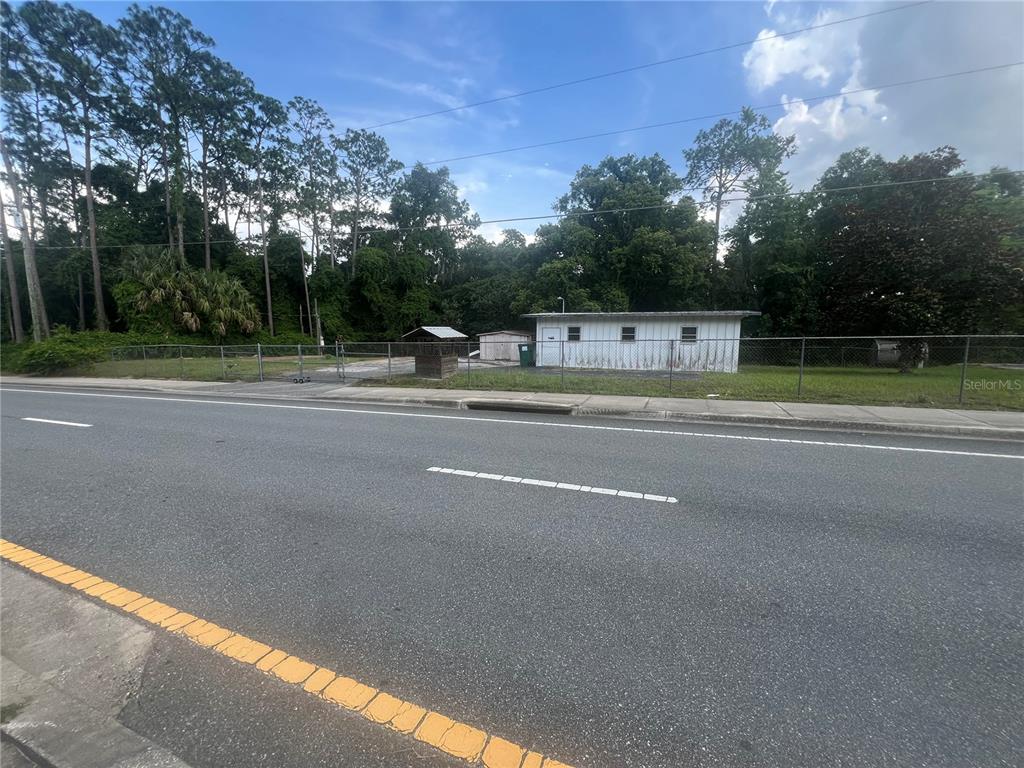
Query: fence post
point(259, 360)
point(389, 362)
point(223, 367)
point(145, 363)
point(469, 362)
point(302, 373)
point(562, 365)
point(671, 361)
point(337, 360)
point(342, 358)
point(800, 381)
point(963, 369)
point(181, 362)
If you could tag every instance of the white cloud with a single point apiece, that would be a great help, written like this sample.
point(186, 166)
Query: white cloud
point(447, 99)
point(982, 115)
point(815, 56)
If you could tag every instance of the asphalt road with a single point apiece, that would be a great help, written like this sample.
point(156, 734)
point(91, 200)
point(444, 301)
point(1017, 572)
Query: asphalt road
point(800, 605)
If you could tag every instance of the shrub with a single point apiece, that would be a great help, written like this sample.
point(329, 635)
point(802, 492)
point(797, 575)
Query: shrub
point(61, 352)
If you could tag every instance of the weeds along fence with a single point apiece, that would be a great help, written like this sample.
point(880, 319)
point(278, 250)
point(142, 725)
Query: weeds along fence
point(987, 371)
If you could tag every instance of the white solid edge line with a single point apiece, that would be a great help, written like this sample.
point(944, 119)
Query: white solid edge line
point(54, 421)
point(526, 422)
point(553, 484)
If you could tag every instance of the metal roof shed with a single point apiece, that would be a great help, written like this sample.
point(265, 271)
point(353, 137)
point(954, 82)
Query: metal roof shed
point(502, 345)
point(435, 349)
point(433, 333)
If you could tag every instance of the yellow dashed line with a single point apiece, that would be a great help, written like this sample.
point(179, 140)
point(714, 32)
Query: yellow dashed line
point(458, 739)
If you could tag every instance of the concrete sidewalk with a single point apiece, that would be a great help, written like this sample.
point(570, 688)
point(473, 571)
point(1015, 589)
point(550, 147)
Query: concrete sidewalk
point(1003, 425)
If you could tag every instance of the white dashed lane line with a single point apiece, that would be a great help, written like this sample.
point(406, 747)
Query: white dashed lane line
point(54, 421)
point(554, 484)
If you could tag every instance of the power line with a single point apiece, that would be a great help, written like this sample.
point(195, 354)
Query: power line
point(712, 116)
point(752, 198)
point(638, 67)
point(597, 212)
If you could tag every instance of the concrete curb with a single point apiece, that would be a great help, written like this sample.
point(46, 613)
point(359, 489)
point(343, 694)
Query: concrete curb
point(64, 697)
point(519, 406)
point(793, 422)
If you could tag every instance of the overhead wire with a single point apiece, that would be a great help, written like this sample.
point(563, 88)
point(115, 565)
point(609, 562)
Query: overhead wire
point(714, 115)
point(649, 65)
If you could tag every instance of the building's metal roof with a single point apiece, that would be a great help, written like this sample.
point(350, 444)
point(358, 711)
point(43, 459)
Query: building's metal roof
point(688, 313)
point(440, 331)
point(513, 333)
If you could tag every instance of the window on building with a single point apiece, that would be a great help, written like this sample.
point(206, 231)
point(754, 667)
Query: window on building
point(629, 333)
point(688, 333)
point(574, 333)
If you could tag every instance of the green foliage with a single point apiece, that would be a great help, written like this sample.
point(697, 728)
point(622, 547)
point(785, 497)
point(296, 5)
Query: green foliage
point(165, 290)
point(59, 353)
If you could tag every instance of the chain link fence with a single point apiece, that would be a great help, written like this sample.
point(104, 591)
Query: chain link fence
point(979, 371)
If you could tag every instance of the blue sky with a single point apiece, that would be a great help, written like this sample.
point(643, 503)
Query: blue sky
point(371, 62)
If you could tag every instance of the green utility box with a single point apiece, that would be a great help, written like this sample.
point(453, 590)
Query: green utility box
point(526, 359)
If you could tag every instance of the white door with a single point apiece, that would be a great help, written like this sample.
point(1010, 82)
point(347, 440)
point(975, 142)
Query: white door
point(551, 346)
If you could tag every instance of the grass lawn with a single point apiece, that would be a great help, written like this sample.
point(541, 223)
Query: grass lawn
point(939, 386)
point(210, 368)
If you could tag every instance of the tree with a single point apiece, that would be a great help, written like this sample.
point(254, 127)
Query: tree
point(315, 163)
point(769, 262)
point(17, 332)
point(724, 156)
point(370, 178)
point(37, 308)
point(626, 243)
point(931, 257)
point(431, 220)
point(221, 94)
point(82, 57)
point(266, 118)
point(163, 59)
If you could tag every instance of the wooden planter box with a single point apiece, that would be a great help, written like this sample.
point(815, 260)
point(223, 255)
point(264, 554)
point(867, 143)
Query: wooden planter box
point(436, 366)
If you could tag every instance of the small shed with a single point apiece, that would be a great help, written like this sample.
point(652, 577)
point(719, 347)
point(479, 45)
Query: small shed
point(502, 345)
point(435, 349)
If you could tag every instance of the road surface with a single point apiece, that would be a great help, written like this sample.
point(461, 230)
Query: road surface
point(746, 601)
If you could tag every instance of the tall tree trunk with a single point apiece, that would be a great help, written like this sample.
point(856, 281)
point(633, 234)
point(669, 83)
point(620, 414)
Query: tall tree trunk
point(356, 214)
point(179, 186)
point(44, 190)
point(17, 330)
point(206, 209)
point(90, 211)
point(714, 253)
point(75, 209)
point(331, 239)
point(10, 322)
point(36, 306)
point(167, 187)
point(263, 242)
point(81, 301)
point(302, 264)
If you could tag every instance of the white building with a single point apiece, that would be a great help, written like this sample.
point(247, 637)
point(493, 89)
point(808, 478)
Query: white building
point(647, 341)
point(502, 345)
